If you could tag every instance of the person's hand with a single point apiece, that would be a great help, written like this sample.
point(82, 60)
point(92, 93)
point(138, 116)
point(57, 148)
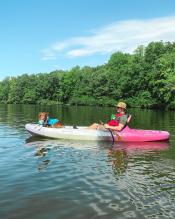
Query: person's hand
point(106, 126)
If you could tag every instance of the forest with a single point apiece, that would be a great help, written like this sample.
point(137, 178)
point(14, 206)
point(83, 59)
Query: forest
point(145, 78)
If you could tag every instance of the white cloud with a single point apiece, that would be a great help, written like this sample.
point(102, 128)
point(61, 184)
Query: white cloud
point(123, 36)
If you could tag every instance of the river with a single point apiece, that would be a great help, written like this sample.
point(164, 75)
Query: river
point(59, 179)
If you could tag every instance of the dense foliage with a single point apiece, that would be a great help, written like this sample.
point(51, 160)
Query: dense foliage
point(145, 78)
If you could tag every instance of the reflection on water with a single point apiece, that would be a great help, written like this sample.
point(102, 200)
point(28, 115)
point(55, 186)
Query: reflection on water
point(132, 179)
point(122, 151)
point(43, 178)
point(118, 152)
point(42, 154)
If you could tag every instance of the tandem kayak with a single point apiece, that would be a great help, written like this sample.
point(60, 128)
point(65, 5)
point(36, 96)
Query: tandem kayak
point(84, 133)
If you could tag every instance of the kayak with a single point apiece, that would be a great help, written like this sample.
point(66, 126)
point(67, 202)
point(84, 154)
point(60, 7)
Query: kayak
point(85, 133)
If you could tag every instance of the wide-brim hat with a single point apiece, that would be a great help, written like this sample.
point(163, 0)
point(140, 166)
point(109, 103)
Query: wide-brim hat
point(121, 105)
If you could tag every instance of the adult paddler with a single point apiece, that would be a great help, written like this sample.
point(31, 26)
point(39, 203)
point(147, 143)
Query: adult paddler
point(117, 122)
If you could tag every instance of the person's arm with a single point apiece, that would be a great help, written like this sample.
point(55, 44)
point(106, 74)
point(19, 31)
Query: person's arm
point(114, 128)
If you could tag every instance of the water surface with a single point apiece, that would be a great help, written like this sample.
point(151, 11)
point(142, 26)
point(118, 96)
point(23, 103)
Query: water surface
point(44, 178)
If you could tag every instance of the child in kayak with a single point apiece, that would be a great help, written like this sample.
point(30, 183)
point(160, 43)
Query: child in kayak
point(117, 122)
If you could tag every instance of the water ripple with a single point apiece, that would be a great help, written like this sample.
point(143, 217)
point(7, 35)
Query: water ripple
point(42, 178)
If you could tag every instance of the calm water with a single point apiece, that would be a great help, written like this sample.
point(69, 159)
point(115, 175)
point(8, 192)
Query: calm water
point(53, 179)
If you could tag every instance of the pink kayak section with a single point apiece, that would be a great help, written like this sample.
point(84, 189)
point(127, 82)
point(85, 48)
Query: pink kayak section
point(136, 135)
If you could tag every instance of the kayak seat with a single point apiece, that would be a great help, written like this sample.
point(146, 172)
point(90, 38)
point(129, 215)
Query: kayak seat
point(129, 118)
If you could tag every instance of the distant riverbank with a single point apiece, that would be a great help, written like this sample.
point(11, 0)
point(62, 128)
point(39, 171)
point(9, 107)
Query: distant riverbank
point(143, 79)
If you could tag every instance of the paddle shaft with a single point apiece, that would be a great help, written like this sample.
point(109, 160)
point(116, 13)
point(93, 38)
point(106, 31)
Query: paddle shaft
point(109, 131)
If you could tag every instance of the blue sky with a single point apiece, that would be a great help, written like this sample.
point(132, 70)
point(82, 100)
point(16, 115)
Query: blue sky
point(45, 35)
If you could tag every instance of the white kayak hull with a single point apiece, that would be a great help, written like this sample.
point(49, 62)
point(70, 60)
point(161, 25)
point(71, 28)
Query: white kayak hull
point(81, 133)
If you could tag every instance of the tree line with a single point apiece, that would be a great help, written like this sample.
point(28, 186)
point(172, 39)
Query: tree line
point(145, 78)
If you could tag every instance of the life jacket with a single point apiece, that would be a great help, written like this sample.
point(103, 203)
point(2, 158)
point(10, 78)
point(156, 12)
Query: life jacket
point(48, 122)
point(51, 122)
point(115, 122)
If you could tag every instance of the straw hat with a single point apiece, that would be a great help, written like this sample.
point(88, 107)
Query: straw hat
point(121, 105)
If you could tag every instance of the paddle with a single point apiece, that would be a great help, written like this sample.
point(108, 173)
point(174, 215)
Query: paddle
point(115, 132)
point(102, 123)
